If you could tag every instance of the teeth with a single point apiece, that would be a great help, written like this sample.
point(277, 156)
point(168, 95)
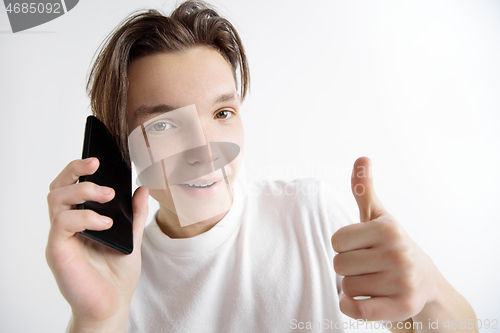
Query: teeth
point(199, 186)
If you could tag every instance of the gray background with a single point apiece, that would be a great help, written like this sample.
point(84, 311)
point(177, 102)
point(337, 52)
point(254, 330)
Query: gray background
point(413, 85)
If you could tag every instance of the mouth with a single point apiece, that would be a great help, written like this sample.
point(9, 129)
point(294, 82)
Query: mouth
point(201, 189)
point(199, 186)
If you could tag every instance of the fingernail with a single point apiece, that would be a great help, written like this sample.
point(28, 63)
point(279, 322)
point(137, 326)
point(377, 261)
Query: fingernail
point(88, 160)
point(106, 220)
point(105, 190)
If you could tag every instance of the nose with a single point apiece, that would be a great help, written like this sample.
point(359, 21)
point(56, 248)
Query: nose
point(197, 162)
point(217, 151)
point(199, 155)
point(202, 152)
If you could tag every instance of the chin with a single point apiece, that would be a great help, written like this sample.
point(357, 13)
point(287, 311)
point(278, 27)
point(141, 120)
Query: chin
point(211, 221)
point(204, 223)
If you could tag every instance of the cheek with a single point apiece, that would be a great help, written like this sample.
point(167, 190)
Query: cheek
point(235, 134)
point(235, 166)
point(164, 198)
point(241, 137)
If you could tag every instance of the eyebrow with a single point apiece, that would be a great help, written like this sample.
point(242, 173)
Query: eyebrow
point(225, 98)
point(144, 110)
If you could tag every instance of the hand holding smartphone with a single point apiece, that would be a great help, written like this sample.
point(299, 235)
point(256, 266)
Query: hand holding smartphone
point(115, 173)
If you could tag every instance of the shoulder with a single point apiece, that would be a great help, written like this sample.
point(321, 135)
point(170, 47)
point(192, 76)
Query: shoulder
point(300, 189)
point(303, 200)
point(286, 196)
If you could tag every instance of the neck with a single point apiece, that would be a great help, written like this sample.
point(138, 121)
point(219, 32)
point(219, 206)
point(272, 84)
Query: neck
point(170, 226)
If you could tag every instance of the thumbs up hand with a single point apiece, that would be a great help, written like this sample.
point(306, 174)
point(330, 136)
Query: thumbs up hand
point(379, 260)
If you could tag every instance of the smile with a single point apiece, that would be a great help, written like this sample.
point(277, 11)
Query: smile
point(199, 186)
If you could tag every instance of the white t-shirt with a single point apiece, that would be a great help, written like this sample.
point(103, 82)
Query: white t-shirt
point(267, 266)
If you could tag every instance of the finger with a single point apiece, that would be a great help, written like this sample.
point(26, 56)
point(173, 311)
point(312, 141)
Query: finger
point(356, 236)
point(63, 198)
point(140, 209)
point(377, 308)
point(67, 223)
point(70, 174)
point(375, 284)
point(357, 262)
point(362, 188)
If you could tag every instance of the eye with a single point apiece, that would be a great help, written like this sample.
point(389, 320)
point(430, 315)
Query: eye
point(224, 114)
point(159, 126)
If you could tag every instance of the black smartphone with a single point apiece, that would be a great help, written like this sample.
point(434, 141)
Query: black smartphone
point(115, 173)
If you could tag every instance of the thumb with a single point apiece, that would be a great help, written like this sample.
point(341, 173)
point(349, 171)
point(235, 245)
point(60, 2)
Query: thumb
point(140, 209)
point(369, 205)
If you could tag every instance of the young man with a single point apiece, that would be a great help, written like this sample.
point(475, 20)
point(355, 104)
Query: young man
point(261, 264)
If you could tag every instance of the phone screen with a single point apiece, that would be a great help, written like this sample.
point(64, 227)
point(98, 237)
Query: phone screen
point(115, 173)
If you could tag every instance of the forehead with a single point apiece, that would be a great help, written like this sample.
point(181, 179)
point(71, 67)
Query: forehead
point(194, 76)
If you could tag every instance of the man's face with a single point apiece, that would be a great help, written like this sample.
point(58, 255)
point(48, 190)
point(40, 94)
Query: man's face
point(186, 104)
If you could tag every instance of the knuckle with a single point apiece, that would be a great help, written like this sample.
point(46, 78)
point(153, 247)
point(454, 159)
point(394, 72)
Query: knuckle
point(48, 255)
point(88, 189)
point(405, 285)
point(73, 167)
point(391, 230)
point(88, 215)
point(341, 238)
point(347, 287)
point(349, 308)
point(354, 309)
point(78, 168)
point(57, 220)
point(50, 252)
point(408, 306)
point(50, 198)
point(74, 164)
point(399, 256)
point(338, 265)
point(342, 306)
point(336, 244)
point(360, 310)
point(409, 281)
point(52, 185)
point(406, 260)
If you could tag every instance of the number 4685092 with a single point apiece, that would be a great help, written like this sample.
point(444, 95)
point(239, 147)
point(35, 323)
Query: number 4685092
point(33, 8)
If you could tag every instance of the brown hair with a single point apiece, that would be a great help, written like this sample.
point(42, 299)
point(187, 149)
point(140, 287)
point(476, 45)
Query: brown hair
point(144, 33)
